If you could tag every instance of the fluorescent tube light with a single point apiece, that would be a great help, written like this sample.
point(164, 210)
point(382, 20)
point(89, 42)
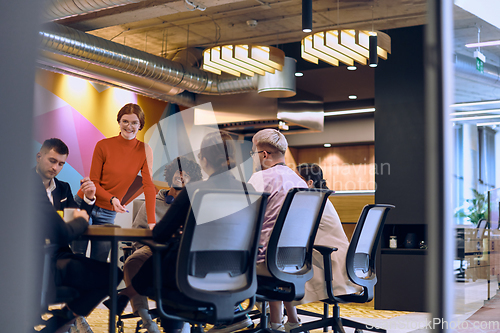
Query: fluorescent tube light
point(466, 113)
point(342, 112)
point(475, 118)
point(488, 124)
point(481, 44)
point(475, 103)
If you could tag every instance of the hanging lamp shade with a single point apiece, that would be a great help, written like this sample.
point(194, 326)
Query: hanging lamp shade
point(238, 59)
point(345, 46)
point(281, 84)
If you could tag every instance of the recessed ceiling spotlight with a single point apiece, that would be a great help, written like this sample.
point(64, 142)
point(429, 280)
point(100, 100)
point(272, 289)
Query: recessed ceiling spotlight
point(299, 74)
point(327, 145)
point(353, 97)
point(351, 68)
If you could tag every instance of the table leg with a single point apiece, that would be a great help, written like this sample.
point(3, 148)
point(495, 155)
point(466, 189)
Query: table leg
point(113, 276)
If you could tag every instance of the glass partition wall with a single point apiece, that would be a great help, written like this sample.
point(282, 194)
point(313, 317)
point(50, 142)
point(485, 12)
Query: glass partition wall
point(475, 117)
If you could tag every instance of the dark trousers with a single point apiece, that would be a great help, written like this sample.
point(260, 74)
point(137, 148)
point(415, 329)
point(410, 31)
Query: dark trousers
point(90, 277)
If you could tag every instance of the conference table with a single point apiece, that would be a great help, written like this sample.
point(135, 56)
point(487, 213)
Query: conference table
point(114, 234)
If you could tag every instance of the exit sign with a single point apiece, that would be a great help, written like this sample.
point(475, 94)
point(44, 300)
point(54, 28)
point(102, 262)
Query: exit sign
point(480, 65)
point(480, 59)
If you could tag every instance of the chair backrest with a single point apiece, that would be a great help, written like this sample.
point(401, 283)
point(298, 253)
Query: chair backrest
point(481, 226)
point(360, 260)
point(290, 246)
point(218, 250)
point(136, 205)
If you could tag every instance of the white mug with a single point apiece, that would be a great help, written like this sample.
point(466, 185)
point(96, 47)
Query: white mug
point(68, 214)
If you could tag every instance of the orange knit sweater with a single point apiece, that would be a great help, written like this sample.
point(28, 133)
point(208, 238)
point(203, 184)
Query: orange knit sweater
point(115, 164)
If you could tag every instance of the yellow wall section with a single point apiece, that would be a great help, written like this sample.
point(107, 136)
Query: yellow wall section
point(99, 108)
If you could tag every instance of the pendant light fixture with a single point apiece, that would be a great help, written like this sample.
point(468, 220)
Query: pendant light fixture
point(373, 47)
point(243, 59)
point(307, 16)
point(346, 46)
point(280, 84)
point(373, 51)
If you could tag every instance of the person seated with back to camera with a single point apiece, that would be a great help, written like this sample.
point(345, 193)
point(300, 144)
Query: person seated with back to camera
point(217, 156)
point(89, 277)
point(330, 233)
point(178, 173)
point(276, 178)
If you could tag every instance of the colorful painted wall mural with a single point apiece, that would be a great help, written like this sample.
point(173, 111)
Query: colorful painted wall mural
point(81, 113)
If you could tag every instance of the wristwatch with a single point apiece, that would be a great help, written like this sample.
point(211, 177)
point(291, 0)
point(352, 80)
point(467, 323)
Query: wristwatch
point(111, 200)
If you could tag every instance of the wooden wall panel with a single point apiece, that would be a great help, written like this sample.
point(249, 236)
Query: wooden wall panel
point(349, 206)
point(345, 168)
point(349, 229)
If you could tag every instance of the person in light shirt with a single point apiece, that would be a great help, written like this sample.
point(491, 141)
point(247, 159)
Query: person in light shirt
point(330, 232)
point(269, 147)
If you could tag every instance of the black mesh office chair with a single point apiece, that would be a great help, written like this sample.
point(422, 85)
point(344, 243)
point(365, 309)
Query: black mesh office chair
point(288, 263)
point(216, 259)
point(360, 266)
point(51, 294)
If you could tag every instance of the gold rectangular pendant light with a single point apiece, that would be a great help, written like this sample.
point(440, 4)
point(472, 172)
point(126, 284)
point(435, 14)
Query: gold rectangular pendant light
point(309, 49)
point(331, 39)
point(243, 59)
point(227, 54)
point(347, 46)
point(319, 43)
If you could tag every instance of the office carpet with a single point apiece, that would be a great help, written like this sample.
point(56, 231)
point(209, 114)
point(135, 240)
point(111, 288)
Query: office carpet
point(98, 319)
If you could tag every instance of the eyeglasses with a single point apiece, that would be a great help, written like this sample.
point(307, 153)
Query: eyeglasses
point(258, 152)
point(133, 123)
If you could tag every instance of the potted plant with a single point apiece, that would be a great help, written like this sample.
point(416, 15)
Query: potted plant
point(477, 210)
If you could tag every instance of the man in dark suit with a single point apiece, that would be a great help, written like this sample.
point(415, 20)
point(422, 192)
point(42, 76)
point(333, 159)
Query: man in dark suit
point(89, 277)
point(49, 162)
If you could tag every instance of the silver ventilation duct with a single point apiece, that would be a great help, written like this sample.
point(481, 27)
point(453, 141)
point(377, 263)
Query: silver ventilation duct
point(466, 67)
point(155, 89)
point(60, 40)
point(59, 9)
point(304, 109)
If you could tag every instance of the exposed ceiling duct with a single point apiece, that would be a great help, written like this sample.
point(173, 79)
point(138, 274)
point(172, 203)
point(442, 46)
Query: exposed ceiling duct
point(302, 113)
point(59, 9)
point(304, 109)
point(57, 40)
point(466, 67)
point(84, 70)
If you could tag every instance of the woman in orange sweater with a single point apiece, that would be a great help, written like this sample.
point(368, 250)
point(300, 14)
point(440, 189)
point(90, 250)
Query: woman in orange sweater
point(115, 164)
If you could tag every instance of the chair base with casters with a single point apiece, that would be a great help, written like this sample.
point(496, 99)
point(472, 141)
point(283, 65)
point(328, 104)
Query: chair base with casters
point(360, 267)
point(288, 262)
point(120, 325)
point(335, 322)
point(215, 263)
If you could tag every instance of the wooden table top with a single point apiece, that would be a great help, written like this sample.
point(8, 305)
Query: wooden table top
point(105, 231)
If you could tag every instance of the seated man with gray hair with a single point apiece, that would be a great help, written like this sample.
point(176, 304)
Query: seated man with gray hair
point(268, 151)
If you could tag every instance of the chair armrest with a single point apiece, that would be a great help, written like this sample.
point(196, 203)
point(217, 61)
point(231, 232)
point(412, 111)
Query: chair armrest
point(327, 267)
point(324, 250)
point(156, 247)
